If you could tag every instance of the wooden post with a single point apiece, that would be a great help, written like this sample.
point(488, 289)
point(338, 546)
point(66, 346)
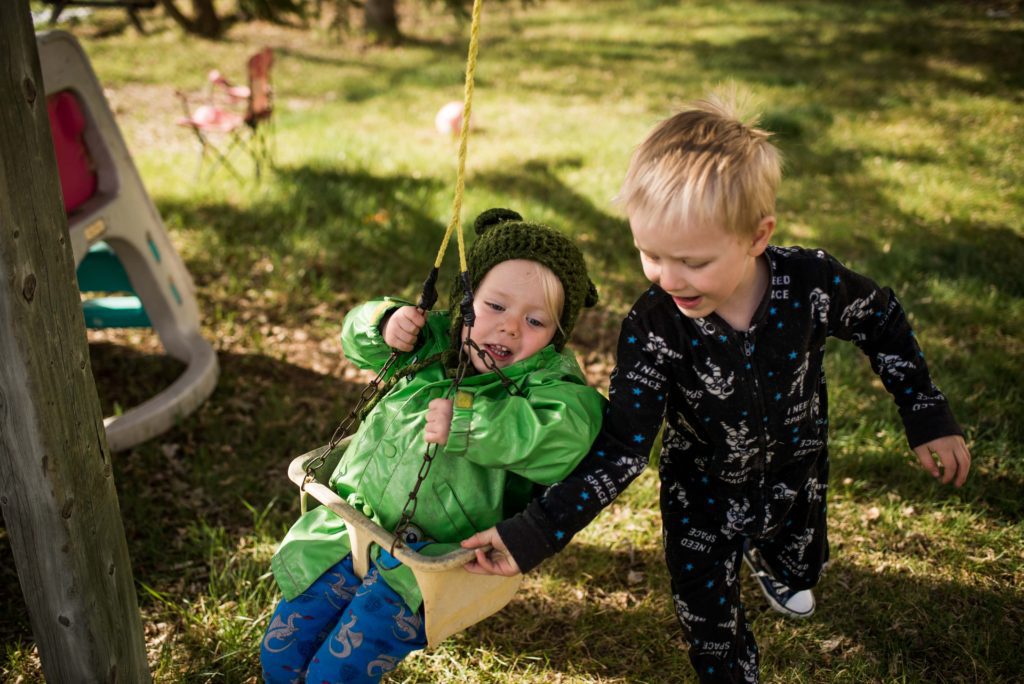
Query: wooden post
point(56, 486)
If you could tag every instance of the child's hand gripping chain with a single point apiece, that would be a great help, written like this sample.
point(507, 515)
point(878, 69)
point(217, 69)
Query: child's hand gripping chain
point(401, 331)
point(403, 328)
point(439, 421)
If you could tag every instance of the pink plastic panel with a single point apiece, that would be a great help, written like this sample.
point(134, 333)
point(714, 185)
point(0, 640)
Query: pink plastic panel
point(67, 124)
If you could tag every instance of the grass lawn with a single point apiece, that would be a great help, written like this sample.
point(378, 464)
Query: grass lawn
point(903, 130)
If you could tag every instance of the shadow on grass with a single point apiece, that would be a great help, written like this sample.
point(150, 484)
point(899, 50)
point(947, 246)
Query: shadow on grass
point(325, 230)
point(235, 448)
point(868, 54)
point(874, 625)
point(608, 628)
point(438, 67)
point(889, 625)
point(604, 237)
point(336, 230)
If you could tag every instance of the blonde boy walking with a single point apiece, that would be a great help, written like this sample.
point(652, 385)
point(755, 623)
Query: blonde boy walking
point(727, 347)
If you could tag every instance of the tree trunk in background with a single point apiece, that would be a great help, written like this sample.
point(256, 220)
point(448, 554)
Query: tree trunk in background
point(206, 22)
point(380, 19)
point(56, 486)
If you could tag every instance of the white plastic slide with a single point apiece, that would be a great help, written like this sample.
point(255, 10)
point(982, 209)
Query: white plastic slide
point(121, 214)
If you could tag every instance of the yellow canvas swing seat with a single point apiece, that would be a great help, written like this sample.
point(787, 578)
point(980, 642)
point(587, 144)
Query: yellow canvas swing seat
point(453, 599)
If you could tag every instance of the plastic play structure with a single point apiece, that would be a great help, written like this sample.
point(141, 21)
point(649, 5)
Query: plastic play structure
point(119, 241)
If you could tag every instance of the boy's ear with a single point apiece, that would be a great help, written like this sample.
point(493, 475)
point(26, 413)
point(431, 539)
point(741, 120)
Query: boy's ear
point(762, 235)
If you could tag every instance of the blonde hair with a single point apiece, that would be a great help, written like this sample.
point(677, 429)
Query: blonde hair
point(709, 164)
point(554, 293)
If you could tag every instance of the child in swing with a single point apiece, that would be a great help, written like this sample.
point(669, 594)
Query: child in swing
point(727, 347)
point(530, 283)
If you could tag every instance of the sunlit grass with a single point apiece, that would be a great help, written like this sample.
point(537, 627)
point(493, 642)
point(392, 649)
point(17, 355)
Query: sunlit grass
point(904, 143)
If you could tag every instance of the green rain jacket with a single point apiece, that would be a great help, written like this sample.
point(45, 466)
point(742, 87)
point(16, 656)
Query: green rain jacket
point(499, 446)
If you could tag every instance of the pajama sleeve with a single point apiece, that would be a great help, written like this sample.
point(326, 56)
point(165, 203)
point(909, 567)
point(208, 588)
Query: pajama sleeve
point(620, 452)
point(872, 318)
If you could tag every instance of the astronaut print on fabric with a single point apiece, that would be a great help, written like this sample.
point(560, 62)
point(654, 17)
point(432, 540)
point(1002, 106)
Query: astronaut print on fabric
point(797, 388)
point(737, 517)
point(729, 566)
point(676, 491)
point(798, 546)
point(731, 623)
point(858, 309)
point(741, 449)
point(819, 302)
point(717, 383)
point(676, 440)
point(683, 611)
point(925, 400)
point(893, 367)
point(661, 350)
point(815, 489)
point(742, 444)
point(780, 492)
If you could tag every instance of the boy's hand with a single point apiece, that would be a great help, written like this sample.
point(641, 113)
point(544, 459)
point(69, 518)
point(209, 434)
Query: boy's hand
point(952, 453)
point(493, 561)
point(403, 328)
point(439, 421)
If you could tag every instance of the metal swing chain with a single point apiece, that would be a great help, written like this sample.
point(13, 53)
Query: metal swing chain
point(426, 303)
point(409, 510)
point(508, 383)
point(454, 226)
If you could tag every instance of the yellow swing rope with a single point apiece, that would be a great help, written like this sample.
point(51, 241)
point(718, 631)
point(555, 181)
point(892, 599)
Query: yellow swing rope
point(455, 224)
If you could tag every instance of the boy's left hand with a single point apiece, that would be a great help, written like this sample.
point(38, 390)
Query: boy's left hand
point(439, 421)
point(952, 453)
point(492, 556)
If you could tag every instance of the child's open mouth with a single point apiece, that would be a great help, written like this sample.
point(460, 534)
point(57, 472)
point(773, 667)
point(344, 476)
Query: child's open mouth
point(688, 302)
point(499, 352)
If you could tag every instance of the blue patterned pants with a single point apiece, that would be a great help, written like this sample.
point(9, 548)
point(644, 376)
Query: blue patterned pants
point(341, 629)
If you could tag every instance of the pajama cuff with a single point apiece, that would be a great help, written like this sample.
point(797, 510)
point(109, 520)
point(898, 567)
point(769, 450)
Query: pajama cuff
point(524, 536)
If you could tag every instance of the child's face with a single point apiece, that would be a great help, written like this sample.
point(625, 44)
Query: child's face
point(513, 321)
point(703, 268)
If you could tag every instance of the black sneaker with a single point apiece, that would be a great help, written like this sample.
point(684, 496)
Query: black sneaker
point(781, 597)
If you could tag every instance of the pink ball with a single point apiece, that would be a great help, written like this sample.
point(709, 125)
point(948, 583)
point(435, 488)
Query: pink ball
point(449, 119)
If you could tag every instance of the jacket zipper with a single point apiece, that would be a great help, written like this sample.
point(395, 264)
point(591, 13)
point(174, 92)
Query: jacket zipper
point(763, 461)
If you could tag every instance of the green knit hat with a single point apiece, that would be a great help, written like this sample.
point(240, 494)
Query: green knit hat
point(502, 235)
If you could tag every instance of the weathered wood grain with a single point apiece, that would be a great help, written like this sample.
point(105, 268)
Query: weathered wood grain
point(56, 487)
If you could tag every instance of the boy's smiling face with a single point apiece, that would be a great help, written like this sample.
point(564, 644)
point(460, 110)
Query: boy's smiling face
point(513, 316)
point(704, 268)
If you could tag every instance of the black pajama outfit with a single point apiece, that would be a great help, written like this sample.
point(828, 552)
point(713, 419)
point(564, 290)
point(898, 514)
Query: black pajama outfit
point(744, 455)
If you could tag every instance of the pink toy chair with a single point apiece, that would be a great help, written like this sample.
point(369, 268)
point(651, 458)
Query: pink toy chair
point(249, 129)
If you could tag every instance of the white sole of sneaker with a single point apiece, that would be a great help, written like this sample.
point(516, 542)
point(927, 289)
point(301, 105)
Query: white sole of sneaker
point(776, 606)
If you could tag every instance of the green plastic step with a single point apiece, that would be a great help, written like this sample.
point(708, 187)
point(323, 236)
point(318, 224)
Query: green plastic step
point(101, 271)
point(115, 312)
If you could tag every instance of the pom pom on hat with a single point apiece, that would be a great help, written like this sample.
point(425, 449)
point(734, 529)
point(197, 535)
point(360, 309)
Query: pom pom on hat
point(502, 235)
point(493, 217)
